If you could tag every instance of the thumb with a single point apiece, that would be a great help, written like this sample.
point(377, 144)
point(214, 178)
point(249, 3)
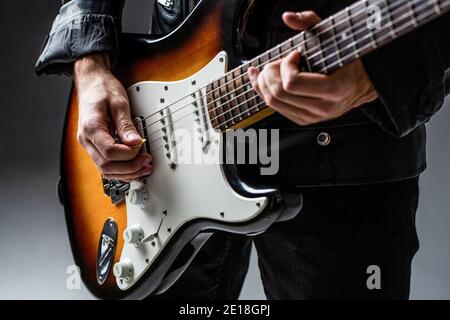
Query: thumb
point(301, 20)
point(124, 125)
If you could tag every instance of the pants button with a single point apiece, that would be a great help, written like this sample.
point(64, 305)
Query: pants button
point(323, 139)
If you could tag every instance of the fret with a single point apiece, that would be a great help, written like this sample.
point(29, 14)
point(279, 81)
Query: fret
point(252, 94)
point(321, 54)
point(211, 106)
point(315, 50)
point(400, 14)
point(412, 13)
point(230, 94)
point(352, 35)
point(272, 53)
point(225, 96)
point(263, 59)
point(344, 37)
point(224, 102)
point(324, 36)
point(424, 6)
point(437, 7)
point(304, 50)
point(390, 23)
point(286, 48)
point(217, 104)
point(238, 92)
point(333, 35)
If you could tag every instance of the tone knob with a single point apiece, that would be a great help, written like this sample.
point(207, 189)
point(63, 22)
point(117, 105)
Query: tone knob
point(123, 270)
point(133, 235)
point(139, 197)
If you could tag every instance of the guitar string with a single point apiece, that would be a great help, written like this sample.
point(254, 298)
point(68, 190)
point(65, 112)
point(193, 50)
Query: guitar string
point(267, 52)
point(368, 45)
point(332, 65)
point(317, 52)
point(320, 51)
point(257, 106)
point(228, 111)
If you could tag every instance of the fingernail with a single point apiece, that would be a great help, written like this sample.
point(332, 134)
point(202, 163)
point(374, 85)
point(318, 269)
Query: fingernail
point(133, 136)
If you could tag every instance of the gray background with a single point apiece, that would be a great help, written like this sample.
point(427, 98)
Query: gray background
point(34, 247)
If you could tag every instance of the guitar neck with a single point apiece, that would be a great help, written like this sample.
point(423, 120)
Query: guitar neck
point(346, 36)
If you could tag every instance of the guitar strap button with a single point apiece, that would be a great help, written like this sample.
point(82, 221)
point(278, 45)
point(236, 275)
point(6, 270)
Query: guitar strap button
point(323, 139)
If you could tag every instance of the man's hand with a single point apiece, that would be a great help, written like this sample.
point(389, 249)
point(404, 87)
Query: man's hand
point(103, 109)
point(308, 98)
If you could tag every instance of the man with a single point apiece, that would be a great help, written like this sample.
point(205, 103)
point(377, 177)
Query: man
point(357, 148)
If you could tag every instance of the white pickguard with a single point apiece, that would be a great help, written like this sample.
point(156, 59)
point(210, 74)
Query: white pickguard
point(191, 190)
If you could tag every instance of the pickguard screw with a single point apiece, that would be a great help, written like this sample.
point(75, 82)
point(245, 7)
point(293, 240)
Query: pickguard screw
point(258, 204)
point(166, 88)
point(222, 214)
point(169, 230)
point(153, 244)
point(138, 89)
point(221, 59)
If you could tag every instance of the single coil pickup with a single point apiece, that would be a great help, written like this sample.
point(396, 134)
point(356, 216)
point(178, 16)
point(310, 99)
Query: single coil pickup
point(139, 123)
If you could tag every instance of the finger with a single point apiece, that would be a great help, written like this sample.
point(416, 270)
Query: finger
point(301, 20)
point(272, 78)
point(300, 116)
point(314, 85)
point(146, 171)
point(126, 167)
point(264, 90)
point(289, 70)
point(123, 167)
point(120, 113)
point(110, 149)
point(253, 74)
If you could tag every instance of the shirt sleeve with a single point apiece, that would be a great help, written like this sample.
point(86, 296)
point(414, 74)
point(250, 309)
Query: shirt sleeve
point(411, 76)
point(82, 27)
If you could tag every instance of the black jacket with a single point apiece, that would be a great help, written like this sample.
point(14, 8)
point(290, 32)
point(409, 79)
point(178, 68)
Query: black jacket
point(381, 141)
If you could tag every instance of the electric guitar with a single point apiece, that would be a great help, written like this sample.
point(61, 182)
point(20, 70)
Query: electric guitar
point(134, 240)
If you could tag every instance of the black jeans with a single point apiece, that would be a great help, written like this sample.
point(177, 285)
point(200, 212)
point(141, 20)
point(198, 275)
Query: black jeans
point(324, 253)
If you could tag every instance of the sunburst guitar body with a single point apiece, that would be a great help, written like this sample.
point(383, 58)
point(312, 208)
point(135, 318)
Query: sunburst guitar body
point(135, 240)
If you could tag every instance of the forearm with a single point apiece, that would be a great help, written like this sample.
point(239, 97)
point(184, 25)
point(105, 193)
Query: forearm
point(89, 66)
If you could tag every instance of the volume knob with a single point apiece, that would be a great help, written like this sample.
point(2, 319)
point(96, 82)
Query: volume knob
point(133, 235)
point(123, 270)
point(139, 197)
